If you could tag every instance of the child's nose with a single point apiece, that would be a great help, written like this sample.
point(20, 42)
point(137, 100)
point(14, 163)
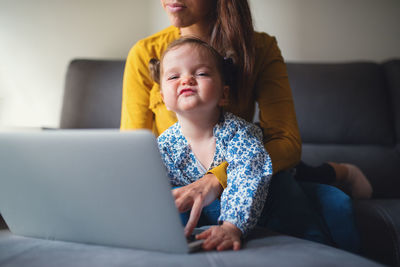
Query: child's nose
point(188, 80)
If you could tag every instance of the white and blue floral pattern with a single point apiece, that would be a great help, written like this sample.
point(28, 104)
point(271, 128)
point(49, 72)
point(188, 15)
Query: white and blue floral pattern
point(240, 144)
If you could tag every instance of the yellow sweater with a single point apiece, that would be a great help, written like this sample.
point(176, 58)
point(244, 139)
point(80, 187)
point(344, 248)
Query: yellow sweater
point(142, 105)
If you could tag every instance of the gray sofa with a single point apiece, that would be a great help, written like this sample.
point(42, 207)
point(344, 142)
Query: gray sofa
point(346, 113)
point(351, 113)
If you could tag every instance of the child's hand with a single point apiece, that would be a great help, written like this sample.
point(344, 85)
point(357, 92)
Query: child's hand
point(221, 237)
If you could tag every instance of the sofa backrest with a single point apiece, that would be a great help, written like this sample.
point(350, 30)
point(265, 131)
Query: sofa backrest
point(392, 74)
point(346, 112)
point(92, 94)
point(342, 103)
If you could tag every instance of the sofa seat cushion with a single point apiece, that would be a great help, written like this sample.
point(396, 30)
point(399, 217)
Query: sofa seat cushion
point(380, 164)
point(379, 221)
point(275, 250)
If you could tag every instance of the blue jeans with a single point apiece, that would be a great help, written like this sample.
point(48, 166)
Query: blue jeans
point(312, 211)
point(289, 211)
point(337, 210)
point(209, 215)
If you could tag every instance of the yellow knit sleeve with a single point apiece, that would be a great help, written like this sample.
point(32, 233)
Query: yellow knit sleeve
point(142, 105)
point(277, 114)
point(135, 112)
point(220, 173)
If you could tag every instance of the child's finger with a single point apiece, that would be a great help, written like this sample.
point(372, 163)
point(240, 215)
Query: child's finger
point(212, 242)
point(226, 244)
point(204, 234)
point(236, 245)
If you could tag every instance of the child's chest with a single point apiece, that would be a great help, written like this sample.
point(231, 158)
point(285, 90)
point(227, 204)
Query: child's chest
point(197, 160)
point(204, 152)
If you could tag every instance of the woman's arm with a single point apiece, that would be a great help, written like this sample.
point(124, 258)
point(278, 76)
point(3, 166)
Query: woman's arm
point(274, 97)
point(135, 112)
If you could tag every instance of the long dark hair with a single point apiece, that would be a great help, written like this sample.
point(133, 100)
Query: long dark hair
point(232, 36)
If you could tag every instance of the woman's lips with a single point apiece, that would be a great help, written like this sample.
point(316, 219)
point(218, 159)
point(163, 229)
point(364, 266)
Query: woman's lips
point(175, 7)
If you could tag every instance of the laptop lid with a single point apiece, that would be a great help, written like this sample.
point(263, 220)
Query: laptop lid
point(91, 186)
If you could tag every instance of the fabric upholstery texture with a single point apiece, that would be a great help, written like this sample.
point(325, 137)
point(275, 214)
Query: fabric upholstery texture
point(392, 70)
point(268, 251)
point(93, 94)
point(342, 103)
point(380, 164)
point(382, 214)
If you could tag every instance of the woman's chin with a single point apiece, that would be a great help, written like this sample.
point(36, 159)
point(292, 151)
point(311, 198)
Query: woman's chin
point(176, 21)
point(179, 21)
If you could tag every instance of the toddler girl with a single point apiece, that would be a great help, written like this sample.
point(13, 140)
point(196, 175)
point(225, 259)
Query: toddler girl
point(194, 85)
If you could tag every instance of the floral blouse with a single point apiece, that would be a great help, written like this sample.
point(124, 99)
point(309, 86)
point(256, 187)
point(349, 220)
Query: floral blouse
point(250, 169)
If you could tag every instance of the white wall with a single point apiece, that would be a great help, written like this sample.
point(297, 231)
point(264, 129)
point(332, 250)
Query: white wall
point(331, 30)
point(39, 37)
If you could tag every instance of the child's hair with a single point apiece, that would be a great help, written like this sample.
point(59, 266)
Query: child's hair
point(224, 65)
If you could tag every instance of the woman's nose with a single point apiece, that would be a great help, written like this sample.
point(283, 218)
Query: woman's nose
point(188, 80)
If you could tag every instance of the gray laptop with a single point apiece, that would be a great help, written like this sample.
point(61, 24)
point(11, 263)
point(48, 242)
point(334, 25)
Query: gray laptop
point(100, 187)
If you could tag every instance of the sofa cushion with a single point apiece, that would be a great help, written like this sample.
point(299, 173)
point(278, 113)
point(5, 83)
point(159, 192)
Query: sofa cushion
point(380, 164)
point(341, 103)
point(382, 214)
point(276, 250)
point(93, 94)
point(3, 224)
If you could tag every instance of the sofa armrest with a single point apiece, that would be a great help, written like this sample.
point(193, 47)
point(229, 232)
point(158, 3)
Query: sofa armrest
point(3, 224)
point(378, 222)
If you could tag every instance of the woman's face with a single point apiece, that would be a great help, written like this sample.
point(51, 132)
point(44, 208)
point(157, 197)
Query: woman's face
point(185, 13)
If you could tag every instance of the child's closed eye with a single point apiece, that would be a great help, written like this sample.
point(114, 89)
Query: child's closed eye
point(173, 77)
point(202, 74)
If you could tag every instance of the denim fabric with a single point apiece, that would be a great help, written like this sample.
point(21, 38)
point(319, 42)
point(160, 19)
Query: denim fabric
point(290, 211)
point(209, 215)
point(337, 209)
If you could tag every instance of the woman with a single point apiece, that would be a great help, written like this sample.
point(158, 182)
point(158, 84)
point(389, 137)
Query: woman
point(262, 77)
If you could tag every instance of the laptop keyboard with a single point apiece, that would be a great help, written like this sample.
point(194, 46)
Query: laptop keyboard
point(191, 238)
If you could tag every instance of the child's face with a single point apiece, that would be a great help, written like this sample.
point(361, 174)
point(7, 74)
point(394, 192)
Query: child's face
point(190, 80)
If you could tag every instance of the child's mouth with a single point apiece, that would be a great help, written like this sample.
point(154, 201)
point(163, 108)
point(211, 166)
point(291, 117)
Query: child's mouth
point(186, 91)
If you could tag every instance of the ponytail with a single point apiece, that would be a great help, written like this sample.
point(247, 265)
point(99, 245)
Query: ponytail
point(154, 68)
point(232, 36)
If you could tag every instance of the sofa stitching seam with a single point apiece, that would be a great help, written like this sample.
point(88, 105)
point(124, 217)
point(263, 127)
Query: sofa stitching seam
point(387, 219)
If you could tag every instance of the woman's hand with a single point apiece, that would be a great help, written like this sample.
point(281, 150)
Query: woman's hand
point(221, 237)
point(195, 196)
